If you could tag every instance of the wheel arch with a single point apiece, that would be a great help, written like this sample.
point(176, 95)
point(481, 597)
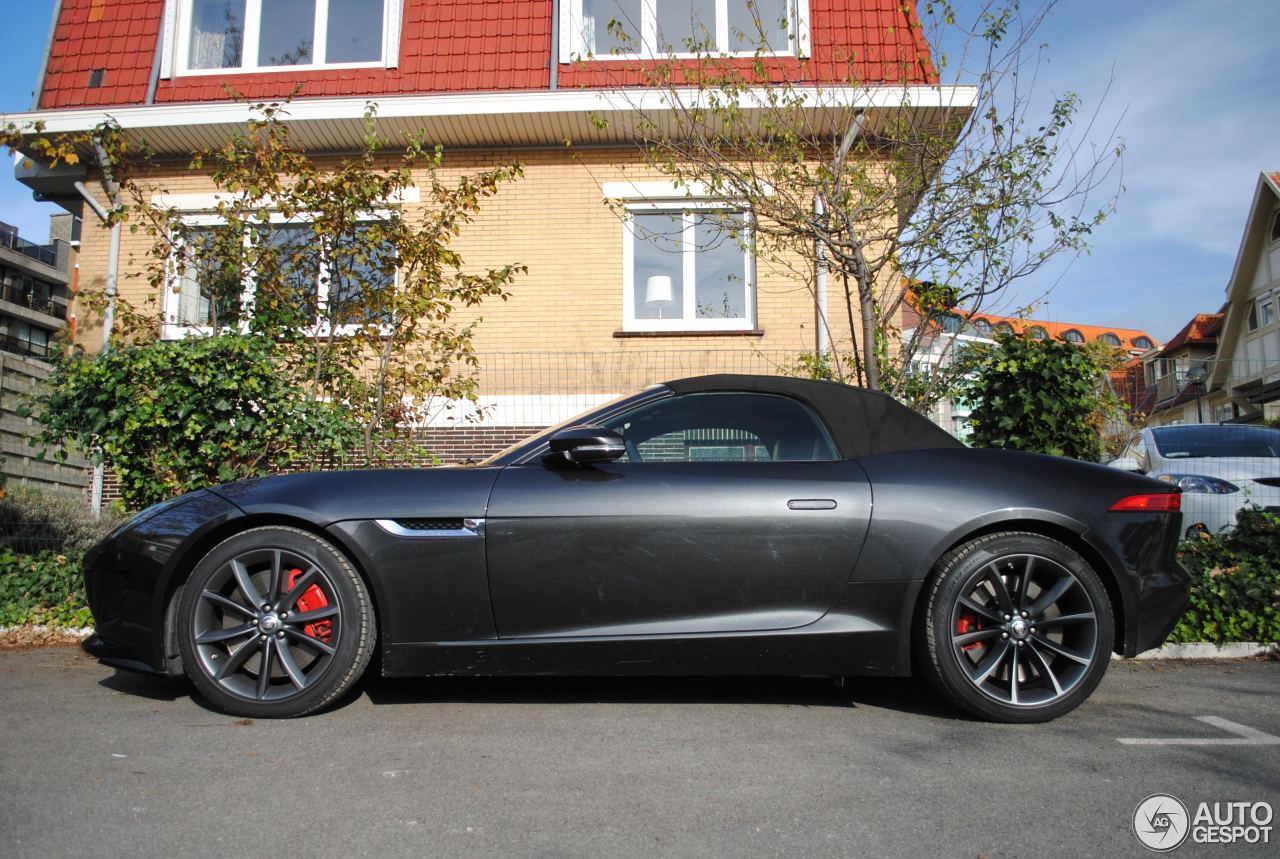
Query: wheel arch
point(1071, 539)
point(205, 543)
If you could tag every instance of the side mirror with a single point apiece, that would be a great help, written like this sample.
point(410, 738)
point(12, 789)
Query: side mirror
point(1127, 463)
point(584, 445)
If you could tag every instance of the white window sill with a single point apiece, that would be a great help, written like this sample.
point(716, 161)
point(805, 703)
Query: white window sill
point(259, 70)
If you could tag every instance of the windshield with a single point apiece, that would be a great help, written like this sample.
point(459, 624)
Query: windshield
point(1216, 441)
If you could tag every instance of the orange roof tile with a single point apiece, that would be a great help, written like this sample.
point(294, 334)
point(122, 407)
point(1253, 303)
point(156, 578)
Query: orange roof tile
point(1201, 330)
point(1058, 330)
point(444, 46)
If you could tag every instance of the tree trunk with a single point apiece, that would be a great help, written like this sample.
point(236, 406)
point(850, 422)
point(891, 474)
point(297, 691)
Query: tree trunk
point(867, 306)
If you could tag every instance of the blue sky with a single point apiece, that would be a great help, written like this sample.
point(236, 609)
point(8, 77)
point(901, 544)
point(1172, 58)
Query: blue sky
point(1196, 83)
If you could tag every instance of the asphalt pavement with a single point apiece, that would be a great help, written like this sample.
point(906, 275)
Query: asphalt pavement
point(96, 762)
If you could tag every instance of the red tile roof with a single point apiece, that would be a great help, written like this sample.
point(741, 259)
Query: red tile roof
point(1202, 330)
point(446, 46)
point(1130, 385)
point(1056, 330)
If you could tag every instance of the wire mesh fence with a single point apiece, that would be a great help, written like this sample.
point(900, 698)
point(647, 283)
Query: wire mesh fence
point(33, 520)
point(520, 393)
point(539, 389)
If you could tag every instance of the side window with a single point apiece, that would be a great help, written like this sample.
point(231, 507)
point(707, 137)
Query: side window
point(724, 427)
point(1138, 450)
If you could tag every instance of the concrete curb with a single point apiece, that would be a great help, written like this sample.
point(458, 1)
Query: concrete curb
point(1205, 650)
point(68, 631)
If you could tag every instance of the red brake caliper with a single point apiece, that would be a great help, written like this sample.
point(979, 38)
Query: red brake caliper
point(969, 622)
point(312, 598)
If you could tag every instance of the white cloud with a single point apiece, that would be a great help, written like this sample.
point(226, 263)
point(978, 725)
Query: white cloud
point(1197, 83)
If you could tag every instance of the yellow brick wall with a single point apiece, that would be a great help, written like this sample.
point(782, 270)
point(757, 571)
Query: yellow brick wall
point(553, 220)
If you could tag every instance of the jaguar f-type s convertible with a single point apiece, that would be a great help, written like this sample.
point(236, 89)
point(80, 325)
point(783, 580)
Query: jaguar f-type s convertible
point(714, 525)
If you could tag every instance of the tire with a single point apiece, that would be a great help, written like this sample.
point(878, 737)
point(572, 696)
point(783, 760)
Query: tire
point(1015, 627)
point(263, 589)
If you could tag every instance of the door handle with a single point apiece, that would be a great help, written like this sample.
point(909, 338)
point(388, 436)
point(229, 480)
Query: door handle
point(812, 504)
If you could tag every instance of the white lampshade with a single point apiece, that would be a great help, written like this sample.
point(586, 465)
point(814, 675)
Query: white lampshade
point(657, 292)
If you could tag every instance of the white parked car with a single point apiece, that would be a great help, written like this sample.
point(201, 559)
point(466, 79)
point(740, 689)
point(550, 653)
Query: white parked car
point(1220, 467)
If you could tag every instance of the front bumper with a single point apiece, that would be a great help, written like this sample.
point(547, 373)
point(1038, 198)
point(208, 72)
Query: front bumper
point(131, 577)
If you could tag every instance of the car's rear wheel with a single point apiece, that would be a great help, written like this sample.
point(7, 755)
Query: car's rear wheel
point(1015, 627)
point(275, 622)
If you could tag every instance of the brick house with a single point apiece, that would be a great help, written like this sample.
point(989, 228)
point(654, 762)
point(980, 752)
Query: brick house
point(490, 82)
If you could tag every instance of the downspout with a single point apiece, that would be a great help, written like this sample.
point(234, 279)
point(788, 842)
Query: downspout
point(154, 80)
point(44, 61)
point(821, 277)
point(113, 258)
point(555, 45)
point(113, 266)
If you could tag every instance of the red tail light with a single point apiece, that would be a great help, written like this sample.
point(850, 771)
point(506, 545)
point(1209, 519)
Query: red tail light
point(1163, 502)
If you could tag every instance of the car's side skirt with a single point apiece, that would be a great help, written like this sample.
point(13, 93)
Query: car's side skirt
point(871, 639)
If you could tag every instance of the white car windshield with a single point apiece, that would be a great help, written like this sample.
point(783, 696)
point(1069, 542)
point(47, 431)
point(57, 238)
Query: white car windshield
point(1217, 441)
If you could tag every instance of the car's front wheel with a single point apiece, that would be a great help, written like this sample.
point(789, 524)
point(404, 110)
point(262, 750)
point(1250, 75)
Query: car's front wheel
point(275, 622)
point(1015, 627)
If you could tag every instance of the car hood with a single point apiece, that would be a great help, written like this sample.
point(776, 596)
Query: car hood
point(325, 497)
point(1233, 468)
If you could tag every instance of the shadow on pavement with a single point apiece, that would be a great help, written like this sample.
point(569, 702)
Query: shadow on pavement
point(153, 688)
point(890, 693)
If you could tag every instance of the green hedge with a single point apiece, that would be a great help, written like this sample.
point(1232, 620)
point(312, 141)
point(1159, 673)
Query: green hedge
point(1235, 584)
point(1235, 593)
point(46, 588)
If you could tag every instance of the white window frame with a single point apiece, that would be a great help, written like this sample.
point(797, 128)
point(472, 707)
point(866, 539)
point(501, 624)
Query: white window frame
point(689, 320)
point(1266, 307)
point(176, 57)
point(573, 34)
point(171, 329)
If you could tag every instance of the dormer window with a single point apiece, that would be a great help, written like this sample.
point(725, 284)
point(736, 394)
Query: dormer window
point(982, 326)
point(1072, 336)
point(1038, 333)
point(639, 29)
point(1143, 343)
point(262, 35)
point(1110, 339)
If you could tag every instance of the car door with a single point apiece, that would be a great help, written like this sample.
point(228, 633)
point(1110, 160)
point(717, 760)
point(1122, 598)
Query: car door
point(730, 512)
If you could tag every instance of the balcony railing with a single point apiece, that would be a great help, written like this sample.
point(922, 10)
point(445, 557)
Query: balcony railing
point(22, 347)
point(1169, 386)
point(23, 298)
point(1223, 373)
point(46, 254)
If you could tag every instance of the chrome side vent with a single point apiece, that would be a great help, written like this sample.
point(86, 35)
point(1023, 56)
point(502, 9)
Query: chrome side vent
point(429, 524)
point(432, 527)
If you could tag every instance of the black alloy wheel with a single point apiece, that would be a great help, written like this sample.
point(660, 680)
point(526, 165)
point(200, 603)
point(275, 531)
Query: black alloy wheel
point(275, 622)
point(1016, 627)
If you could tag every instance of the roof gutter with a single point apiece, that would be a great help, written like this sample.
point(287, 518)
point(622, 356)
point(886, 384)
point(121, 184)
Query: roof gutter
point(491, 104)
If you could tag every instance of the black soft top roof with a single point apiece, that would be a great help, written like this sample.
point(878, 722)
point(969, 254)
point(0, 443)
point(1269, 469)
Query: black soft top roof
point(862, 422)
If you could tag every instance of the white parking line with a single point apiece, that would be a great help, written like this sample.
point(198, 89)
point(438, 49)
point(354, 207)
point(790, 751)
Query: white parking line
point(1246, 736)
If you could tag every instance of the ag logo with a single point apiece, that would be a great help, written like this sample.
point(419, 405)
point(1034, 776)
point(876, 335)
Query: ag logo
point(1160, 822)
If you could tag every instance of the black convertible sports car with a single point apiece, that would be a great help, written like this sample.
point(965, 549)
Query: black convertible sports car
point(716, 525)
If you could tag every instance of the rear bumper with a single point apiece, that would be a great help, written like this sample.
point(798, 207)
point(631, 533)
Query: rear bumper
point(1154, 587)
point(1162, 600)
